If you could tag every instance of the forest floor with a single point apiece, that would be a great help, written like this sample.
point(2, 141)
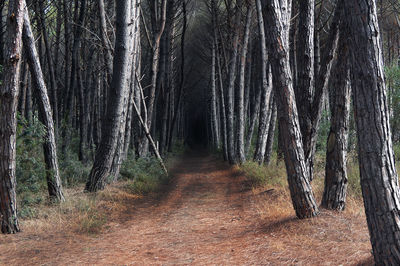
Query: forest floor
point(207, 215)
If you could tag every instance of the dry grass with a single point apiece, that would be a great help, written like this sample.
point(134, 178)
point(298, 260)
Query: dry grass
point(320, 239)
point(85, 213)
point(210, 215)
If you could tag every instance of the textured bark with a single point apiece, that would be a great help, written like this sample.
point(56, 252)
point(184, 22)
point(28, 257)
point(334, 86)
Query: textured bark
point(305, 76)
point(240, 151)
point(230, 108)
point(379, 179)
point(263, 121)
point(334, 196)
point(119, 86)
point(321, 82)
point(8, 120)
point(277, 17)
point(54, 185)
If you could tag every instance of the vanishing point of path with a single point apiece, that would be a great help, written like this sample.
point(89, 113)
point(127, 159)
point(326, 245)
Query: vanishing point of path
point(207, 216)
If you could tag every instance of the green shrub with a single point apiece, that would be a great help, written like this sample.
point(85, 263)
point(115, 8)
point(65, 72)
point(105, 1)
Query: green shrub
point(73, 171)
point(146, 175)
point(259, 175)
point(30, 167)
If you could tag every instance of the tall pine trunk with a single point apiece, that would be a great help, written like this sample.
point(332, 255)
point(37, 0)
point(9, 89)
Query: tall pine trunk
point(119, 88)
point(240, 149)
point(263, 121)
point(305, 77)
point(277, 18)
point(334, 196)
point(8, 117)
point(54, 185)
point(379, 179)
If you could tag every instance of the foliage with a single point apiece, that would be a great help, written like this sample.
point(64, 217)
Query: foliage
point(393, 83)
point(73, 171)
point(30, 167)
point(145, 174)
point(323, 132)
point(260, 175)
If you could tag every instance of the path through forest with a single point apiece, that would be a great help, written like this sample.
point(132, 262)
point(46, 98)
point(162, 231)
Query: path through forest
point(207, 216)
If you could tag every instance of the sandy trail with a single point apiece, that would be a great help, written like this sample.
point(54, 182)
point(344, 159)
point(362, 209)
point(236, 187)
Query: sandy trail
point(207, 217)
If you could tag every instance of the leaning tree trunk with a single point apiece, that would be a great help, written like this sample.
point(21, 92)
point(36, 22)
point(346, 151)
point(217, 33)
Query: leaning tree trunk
point(8, 117)
point(54, 185)
point(277, 18)
point(379, 179)
point(335, 190)
point(119, 88)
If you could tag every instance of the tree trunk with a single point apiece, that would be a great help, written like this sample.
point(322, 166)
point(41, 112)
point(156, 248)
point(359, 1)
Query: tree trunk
point(335, 190)
point(8, 120)
point(240, 151)
point(214, 119)
point(119, 88)
point(305, 76)
point(53, 84)
point(230, 109)
point(277, 18)
point(379, 180)
point(253, 119)
point(54, 184)
point(271, 133)
point(263, 121)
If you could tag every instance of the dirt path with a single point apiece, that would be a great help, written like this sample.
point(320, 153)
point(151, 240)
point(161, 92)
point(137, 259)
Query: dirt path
point(207, 217)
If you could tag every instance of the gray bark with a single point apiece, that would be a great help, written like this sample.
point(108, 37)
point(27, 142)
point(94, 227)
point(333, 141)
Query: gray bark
point(379, 179)
point(305, 76)
point(334, 196)
point(54, 185)
point(240, 149)
point(230, 109)
point(263, 121)
point(119, 87)
point(8, 120)
point(277, 19)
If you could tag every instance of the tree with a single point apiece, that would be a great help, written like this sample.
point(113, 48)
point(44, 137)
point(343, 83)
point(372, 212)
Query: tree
point(231, 86)
point(266, 90)
point(242, 66)
point(277, 18)
point(49, 146)
point(8, 117)
point(334, 196)
point(118, 91)
point(379, 179)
